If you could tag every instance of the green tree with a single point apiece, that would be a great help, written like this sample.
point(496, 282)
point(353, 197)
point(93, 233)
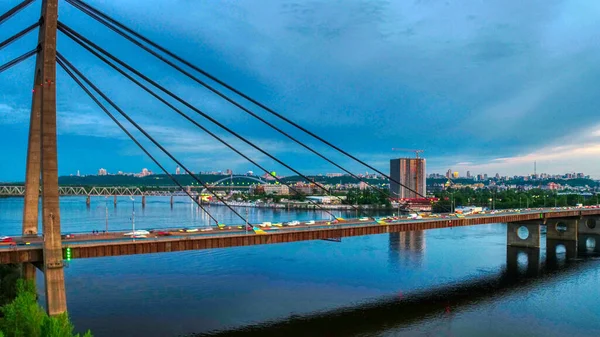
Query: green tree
point(24, 317)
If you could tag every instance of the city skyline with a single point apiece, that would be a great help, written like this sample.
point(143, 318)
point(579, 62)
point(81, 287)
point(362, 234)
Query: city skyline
point(483, 122)
point(476, 176)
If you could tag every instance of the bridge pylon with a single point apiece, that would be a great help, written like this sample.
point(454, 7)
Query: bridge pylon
point(42, 162)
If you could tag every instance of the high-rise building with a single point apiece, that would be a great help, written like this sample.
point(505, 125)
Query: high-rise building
point(228, 172)
point(455, 175)
point(449, 174)
point(469, 175)
point(177, 170)
point(102, 172)
point(409, 172)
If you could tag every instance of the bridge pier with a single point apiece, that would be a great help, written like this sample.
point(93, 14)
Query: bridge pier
point(588, 244)
point(553, 246)
point(523, 234)
point(589, 225)
point(88, 201)
point(522, 260)
point(143, 201)
point(171, 201)
point(562, 229)
point(28, 271)
point(115, 200)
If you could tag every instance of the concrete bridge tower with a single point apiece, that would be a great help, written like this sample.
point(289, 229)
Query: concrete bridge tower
point(42, 164)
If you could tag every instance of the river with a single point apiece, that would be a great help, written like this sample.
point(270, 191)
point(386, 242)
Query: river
point(447, 282)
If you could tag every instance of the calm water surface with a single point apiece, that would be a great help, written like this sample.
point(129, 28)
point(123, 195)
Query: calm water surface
point(449, 282)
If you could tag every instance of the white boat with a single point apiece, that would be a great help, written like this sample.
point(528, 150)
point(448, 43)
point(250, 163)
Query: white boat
point(311, 222)
point(138, 232)
point(363, 219)
point(293, 223)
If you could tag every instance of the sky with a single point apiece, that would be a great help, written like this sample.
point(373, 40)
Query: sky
point(484, 86)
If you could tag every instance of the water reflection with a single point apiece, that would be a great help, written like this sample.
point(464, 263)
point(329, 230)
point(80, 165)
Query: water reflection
point(523, 272)
point(406, 249)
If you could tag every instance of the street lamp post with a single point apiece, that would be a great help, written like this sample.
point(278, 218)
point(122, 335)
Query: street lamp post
point(132, 218)
point(106, 213)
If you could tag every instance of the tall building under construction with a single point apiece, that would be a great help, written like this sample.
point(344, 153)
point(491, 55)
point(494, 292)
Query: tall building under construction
point(411, 173)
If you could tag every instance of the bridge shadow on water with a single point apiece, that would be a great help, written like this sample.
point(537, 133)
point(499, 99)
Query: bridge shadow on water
point(523, 270)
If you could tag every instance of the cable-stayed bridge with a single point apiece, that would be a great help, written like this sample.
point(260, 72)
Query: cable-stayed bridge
point(47, 251)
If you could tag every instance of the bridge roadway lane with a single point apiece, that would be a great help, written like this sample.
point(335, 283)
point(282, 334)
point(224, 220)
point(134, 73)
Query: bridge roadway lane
point(175, 233)
point(116, 243)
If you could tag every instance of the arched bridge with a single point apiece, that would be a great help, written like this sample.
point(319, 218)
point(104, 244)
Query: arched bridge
point(253, 178)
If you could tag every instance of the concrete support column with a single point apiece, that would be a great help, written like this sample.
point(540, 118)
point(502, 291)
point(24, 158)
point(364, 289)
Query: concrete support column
point(45, 76)
point(589, 225)
point(143, 201)
point(562, 229)
point(523, 234)
point(115, 200)
point(588, 244)
point(88, 201)
point(32, 175)
point(171, 201)
point(28, 271)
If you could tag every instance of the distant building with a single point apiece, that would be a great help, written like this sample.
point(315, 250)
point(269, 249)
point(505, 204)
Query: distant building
point(102, 172)
point(449, 173)
point(145, 172)
point(455, 175)
point(78, 173)
point(410, 172)
point(469, 175)
point(276, 189)
point(228, 172)
point(177, 170)
point(333, 175)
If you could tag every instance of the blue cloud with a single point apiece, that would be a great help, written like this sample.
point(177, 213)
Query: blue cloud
point(469, 82)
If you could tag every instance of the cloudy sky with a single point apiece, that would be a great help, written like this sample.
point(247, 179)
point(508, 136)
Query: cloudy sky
point(485, 86)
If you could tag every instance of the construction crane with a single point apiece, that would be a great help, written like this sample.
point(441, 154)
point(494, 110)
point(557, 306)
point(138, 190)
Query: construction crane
point(408, 150)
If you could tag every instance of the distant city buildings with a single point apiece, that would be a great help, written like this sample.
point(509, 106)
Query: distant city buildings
point(177, 170)
point(410, 172)
point(334, 175)
point(102, 172)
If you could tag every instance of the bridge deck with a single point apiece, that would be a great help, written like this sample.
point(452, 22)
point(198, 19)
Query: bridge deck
point(116, 245)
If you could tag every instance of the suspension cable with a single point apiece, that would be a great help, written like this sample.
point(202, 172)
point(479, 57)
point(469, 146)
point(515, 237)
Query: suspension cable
point(17, 60)
point(82, 41)
point(15, 10)
point(18, 35)
point(231, 88)
point(220, 94)
point(90, 84)
point(122, 127)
